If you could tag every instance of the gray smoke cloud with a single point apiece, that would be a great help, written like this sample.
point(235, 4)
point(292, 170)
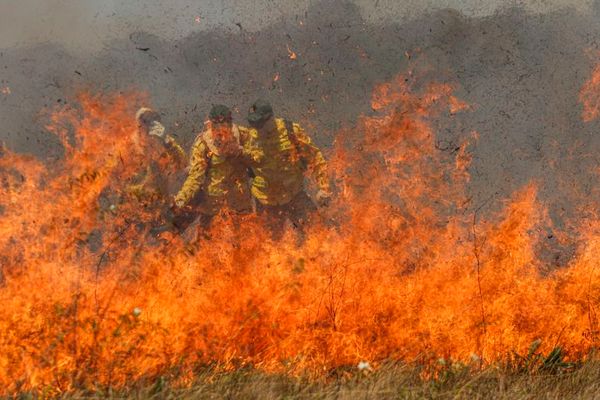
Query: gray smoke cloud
point(521, 65)
point(88, 25)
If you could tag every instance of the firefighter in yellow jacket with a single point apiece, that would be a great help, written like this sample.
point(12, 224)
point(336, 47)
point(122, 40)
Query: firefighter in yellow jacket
point(287, 154)
point(159, 158)
point(218, 173)
point(156, 158)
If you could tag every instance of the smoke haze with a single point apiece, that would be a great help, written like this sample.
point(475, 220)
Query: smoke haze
point(521, 67)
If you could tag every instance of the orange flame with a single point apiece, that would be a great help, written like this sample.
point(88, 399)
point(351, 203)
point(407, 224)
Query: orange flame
point(396, 268)
point(589, 96)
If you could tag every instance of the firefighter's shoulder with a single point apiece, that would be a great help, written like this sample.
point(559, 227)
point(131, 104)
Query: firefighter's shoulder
point(199, 144)
point(300, 133)
point(247, 133)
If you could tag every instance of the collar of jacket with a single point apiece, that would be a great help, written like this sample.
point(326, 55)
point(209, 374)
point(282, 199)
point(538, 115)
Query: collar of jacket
point(276, 136)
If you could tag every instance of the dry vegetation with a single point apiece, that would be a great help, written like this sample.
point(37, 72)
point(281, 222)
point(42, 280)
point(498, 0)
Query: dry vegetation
point(399, 382)
point(522, 378)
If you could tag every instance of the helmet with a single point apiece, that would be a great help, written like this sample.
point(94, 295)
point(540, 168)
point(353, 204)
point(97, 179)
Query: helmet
point(259, 113)
point(146, 116)
point(219, 113)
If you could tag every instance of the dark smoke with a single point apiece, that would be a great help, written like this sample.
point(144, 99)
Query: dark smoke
point(521, 71)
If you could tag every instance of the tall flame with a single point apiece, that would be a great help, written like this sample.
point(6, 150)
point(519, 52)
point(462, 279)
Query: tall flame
point(589, 96)
point(399, 267)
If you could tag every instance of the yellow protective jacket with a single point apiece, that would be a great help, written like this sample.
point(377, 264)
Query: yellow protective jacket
point(284, 159)
point(158, 161)
point(223, 180)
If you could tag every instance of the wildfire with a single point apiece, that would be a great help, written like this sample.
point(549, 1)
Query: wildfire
point(6, 90)
point(396, 268)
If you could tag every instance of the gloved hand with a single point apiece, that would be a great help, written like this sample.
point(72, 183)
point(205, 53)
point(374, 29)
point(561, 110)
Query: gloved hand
point(157, 129)
point(179, 203)
point(148, 122)
point(323, 198)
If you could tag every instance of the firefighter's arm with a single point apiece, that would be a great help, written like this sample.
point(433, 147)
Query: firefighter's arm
point(175, 150)
point(149, 123)
point(196, 174)
point(314, 159)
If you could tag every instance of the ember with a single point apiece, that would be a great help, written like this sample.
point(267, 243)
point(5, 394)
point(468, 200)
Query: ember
point(291, 54)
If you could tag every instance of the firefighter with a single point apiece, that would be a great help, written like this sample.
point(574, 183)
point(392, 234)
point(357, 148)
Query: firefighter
point(158, 158)
point(218, 175)
point(288, 154)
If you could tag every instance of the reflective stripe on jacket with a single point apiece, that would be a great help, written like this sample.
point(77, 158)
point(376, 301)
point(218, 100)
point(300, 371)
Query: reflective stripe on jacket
point(279, 173)
point(223, 179)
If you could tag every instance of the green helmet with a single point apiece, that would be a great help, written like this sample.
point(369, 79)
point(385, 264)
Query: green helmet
point(219, 113)
point(259, 113)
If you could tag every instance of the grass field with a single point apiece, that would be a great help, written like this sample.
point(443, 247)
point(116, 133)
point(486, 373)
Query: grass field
point(386, 382)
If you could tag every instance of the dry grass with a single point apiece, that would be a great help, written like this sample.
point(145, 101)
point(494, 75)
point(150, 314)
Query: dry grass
point(388, 382)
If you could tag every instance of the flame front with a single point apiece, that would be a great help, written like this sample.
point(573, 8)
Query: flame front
point(400, 266)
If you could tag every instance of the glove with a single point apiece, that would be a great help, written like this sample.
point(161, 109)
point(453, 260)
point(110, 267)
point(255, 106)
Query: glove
point(157, 129)
point(146, 118)
point(323, 198)
point(179, 203)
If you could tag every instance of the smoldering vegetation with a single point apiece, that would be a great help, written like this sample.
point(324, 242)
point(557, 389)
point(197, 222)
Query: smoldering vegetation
point(521, 73)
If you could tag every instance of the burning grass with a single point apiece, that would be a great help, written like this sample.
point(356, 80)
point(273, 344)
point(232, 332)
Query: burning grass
point(400, 267)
